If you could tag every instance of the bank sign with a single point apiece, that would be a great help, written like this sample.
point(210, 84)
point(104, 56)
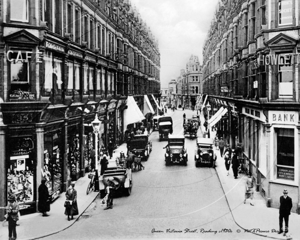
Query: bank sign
point(283, 117)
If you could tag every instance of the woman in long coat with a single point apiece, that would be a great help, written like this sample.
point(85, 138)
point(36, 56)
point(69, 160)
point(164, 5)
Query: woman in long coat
point(71, 196)
point(44, 204)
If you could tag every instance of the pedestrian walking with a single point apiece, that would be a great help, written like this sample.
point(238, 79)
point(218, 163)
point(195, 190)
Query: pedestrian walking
point(221, 146)
point(112, 185)
point(110, 148)
point(249, 189)
point(71, 202)
point(148, 127)
point(227, 161)
point(103, 164)
point(235, 164)
point(44, 201)
point(12, 210)
point(285, 208)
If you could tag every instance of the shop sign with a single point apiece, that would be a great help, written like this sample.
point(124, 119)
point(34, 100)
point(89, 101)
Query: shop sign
point(55, 47)
point(285, 173)
point(90, 59)
point(285, 59)
point(75, 54)
point(283, 117)
point(23, 56)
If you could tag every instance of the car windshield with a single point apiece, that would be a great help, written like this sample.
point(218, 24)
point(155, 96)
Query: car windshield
point(176, 142)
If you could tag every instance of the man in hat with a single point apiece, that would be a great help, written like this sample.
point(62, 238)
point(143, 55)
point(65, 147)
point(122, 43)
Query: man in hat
point(12, 216)
point(284, 211)
point(112, 184)
point(44, 203)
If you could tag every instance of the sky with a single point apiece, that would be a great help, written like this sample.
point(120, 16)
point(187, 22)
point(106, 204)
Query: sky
point(181, 27)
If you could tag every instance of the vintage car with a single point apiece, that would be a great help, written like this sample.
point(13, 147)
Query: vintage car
point(165, 127)
point(175, 151)
point(124, 178)
point(142, 146)
point(205, 155)
point(190, 128)
point(196, 118)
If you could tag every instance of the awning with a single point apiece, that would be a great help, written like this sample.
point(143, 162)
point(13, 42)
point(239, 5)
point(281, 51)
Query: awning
point(218, 117)
point(204, 103)
point(147, 106)
point(156, 103)
point(215, 115)
point(133, 113)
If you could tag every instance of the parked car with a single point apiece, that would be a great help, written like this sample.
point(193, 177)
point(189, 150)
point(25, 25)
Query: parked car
point(196, 118)
point(124, 175)
point(142, 145)
point(175, 150)
point(165, 127)
point(205, 155)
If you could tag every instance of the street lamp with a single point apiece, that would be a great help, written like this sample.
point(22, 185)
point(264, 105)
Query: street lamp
point(208, 108)
point(96, 127)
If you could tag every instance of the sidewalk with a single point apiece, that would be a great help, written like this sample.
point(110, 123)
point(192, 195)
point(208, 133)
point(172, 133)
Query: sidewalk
point(258, 219)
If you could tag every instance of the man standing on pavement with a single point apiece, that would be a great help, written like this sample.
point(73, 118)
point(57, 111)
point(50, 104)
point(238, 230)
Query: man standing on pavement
point(284, 211)
point(235, 163)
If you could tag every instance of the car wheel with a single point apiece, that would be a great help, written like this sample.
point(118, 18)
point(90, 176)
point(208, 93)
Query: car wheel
point(196, 164)
point(128, 191)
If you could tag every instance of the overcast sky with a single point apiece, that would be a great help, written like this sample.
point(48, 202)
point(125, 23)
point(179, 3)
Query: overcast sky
point(180, 26)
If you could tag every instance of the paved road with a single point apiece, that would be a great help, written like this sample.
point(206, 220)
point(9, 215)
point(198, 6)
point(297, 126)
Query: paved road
point(166, 202)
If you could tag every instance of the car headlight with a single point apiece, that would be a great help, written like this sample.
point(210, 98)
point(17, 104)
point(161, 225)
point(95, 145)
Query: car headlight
point(171, 155)
point(145, 153)
point(184, 155)
point(201, 154)
point(210, 154)
point(197, 156)
point(167, 155)
point(180, 155)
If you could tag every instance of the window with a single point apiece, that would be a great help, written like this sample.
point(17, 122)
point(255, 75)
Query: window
point(53, 75)
point(99, 36)
point(86, 27)
point(91, 34)
point(77, 26)
point(285, 153)
point(19, 10)
point(70, 19)
point(285, 12)
point(58, 17)
point(285, 76)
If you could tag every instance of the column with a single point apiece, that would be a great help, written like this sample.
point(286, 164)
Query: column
point(81, 140)
point(3, 173)
point(66, 168)
point(268, 135)
point(39, 156)
point(298, 153)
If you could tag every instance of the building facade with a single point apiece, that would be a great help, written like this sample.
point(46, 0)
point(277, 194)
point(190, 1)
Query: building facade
point(63, 63)
point(251, 70)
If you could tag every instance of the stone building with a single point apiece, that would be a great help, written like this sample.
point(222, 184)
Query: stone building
point(63, 63)
point(251, 78)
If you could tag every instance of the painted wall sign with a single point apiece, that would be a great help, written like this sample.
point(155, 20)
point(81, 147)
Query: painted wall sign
point(283, 117)
point(285, 173)
point(90, 59)
point(75, 54)
point(278, 59)
point(55, 47)
point(23, 56)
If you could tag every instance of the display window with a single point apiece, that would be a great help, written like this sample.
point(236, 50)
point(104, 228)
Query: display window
point(285, 149)
point(89, 152)
point(74, 156)
point(52, 167)
point(20, 178)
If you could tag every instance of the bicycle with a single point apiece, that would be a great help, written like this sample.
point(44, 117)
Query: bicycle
point(91, 185)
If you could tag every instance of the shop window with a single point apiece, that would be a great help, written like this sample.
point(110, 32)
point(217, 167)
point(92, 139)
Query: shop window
point(19, 10)
point(77, 25)
point(285, 153)
point(21, 171)
point(85, 79)
point(70, 84)
point(52, 168)
point(91, 81)
point(286, 12)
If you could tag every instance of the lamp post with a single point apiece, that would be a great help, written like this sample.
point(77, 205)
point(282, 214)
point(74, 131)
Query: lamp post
point(208, 108)
point(96, 127)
